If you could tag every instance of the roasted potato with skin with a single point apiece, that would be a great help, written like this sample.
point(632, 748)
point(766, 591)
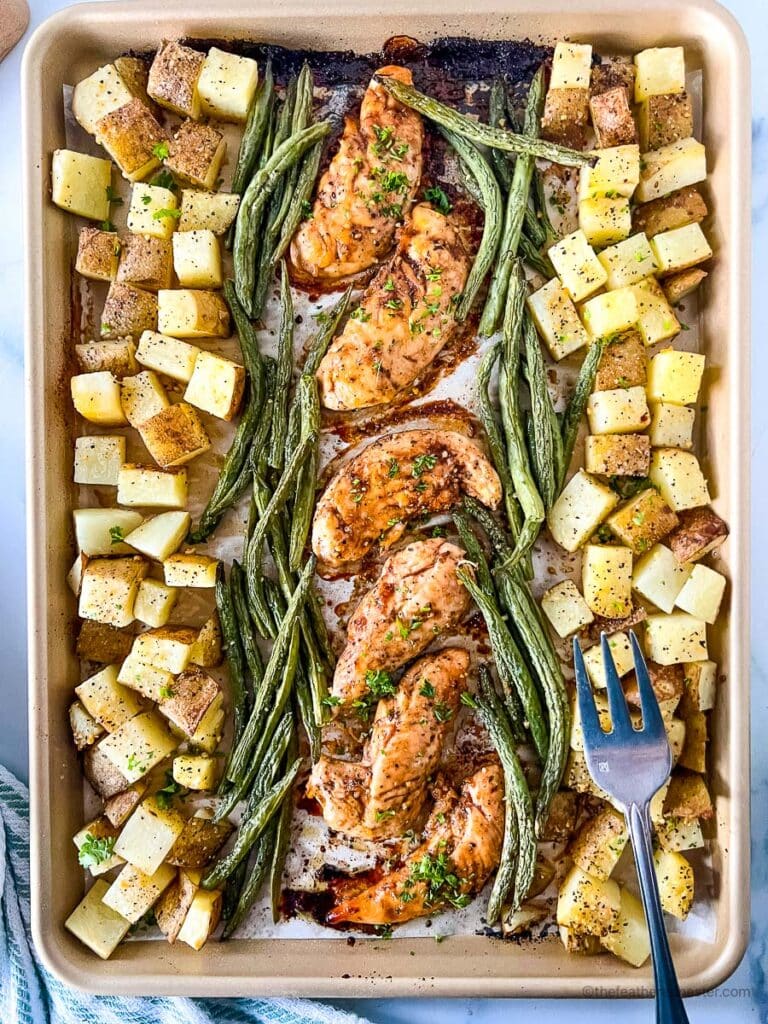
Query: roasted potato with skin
point(688, 797)
point(566, 114)
point(612, 118)
point(600, 843)
point(612, 73)
point(700, 531)
point(97, 254)
point(105, 778)
point(85, 729)
point(115, 357)
point(98, 641)
point(192, 694)
point(174, 904)
point(624, 363)
point(678, 286)
point(118, 808)
point(686, 206)
point(665, 119)
point(666, 680)
point(128, 311)
point(200, 841)
point(563, 814)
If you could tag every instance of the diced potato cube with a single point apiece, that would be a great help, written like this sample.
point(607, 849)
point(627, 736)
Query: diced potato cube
point(566, 609)
point(628, 262)
point(175, 436)
point(152, 488)
point(81, 184)
point(191, 696)
point(173, 78)
point(133, 893)
point(588, 904)
point(623, 363)
point(173, 905)
point(138, 745)
point(195, 771)
point(619, 411)
point(675, 377)
point(605, 221)
point(100, 531)
point(192, 313)
point(197, 259)
point(675, 639)
point(216, 385)
point(109, 589)
point(556, 319)
point(96, 856)
point(685, 206)
point(98, 459)
point(154, 602)
point(566, 116)
point(701, 530)
point(612, 118)
point(135, 73)
point(680, 284)
point(207, 211)
point(659, 70)
point(688, 797)
point(208, 734)
point(583, 504)
point(694, 751)
point(161, 535)
point(196, 153)
point(629, 939)
point(148, 835)
point(97, 925)
point(199, 842)
point(168, 648)
point(227, 85)
point(607, 579)
point(656, 320)
point(621, 651)
point(97, 95)
point(97, 254)
point(190, 571)
point(677, 836)
point(610, 313)
point(615, 174)
point(132, 137)
point(665, 119)
point(642, 521)
point(142, 396)
point(169, 356)
point(700, 681)
point(612, 73)
point(128, 311)
point(207, 650)
point(679, 478)
point(85, 729)
point(672, 167)
point(618, 454)
point(658, 578)
point(146, 262)
point(153, 211)
point(680, 249)
point(98, 641)
point(75, 574)
point(103, 776)
point(571, 65)
point(600, 843)
point(110, 703)
point(154, 683)
point(202, 918)
point(577, 266)
point(578, 942)
point(671, 426)
point(702, 593)
point(96, 396)
point(115, 357)
point(675, 877)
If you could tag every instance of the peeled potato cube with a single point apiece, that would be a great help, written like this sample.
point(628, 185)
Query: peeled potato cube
point(154, 602)
point(671, 426)
point(675, 639)
point(152, 488)
point(557, 320)
point(610, 313)
point(109, 702)
point(617, 454)
point(128, 311)
point(143, 396)
point(658, 578)
point(615, 174)
point(138, 745)
point(227, 85)
point(577, 265)
point(192, 313)
point(161, 535)
point(175, 435)
point(96, 396)
point(81, 184)
point(190, 571)
point(628, 262)
point(108, 589)
point(208, 734)
point(132, 137)
point(628, 939)
point(152, 211)
point(675, 877)
point(98, 459)
point(583, 504)
point(97, 254)
point(656, 320)
point(100, 531)
point(197, 259)
point(605, 220)
point(571, 66)
point(148, 835)
point(670, 168)
point(566, 609)
point(202, 918)
point(154, 683)
point(195, 771)
point(169, 648)
point(607, 580)
point(621, 652)
point(216, 385)
point(196, 153)
point(97, 925)
point(702, 594)
point(173, 78)
point(675, 377)
point(170, 356)
point(97, 95)
point(619, 411)
point(207, 211)
point(678, 476)
point(681, 248)
point(659, 70)
point(588, 904)
point(133, 893)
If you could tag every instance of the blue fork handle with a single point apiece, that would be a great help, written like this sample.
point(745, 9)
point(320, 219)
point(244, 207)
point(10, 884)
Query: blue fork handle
point(669, 1002)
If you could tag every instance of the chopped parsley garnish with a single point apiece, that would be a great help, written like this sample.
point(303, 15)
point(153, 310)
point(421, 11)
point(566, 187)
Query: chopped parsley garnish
point(95, 851)
point(391, 181)
point(386, 144)
point(357, 490)
point(604, 534)
point(434, 273)
point(379, 683)
point(426, 689)
point(438, 531)
point(165, 692)
point(389, 284)
point(107, 225)
point(392, 210)
point(135, 764)
point(441, 883)
point(383, 815)
point(306, 209)
point(360, 314)
point(467, 699)
point(113, 197)
point(393, 303)
point(164, 796)
point(393, 468)
point(165, 212)
point(116, 535)
point(442, 712)
point(423, 463)
point(164, 179)
point(421, 486)
point(439, 199)
point(160, 150)
point(331, 701)
point(146, 199)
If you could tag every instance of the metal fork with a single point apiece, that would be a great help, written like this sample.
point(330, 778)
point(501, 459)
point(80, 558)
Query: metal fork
point(631, 765)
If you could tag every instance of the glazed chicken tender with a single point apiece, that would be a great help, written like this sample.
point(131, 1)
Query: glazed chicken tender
point(367, 189)
point(384, 795)
point(408, 474)
point(405, 317)
point(417, 599)
point(462, 846)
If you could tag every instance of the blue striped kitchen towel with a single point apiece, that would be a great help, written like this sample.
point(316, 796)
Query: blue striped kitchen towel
point(30, 995)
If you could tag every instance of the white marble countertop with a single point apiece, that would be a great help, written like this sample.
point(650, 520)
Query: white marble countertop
point(745, 995)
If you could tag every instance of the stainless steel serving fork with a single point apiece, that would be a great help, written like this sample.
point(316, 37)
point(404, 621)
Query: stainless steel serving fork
point(631, 765)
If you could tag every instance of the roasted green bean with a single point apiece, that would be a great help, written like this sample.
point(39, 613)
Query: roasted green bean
point(283, 375)
point(281, 840)
point(255, 130)
point(578, 402)
point(547, 449)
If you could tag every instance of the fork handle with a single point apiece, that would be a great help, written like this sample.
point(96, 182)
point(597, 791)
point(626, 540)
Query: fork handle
point(669, 1002)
